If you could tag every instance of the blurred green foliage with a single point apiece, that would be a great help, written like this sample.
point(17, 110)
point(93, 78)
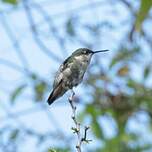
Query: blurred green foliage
point(13, 2)
point(142, 14)
point(16, 92)
point(59, 150)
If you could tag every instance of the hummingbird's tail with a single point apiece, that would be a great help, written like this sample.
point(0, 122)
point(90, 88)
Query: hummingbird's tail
point(56, 93)
point(51, 98)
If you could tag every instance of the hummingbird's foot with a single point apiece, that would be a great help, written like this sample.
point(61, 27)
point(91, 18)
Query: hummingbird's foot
point(71, 100)
point(73, 93)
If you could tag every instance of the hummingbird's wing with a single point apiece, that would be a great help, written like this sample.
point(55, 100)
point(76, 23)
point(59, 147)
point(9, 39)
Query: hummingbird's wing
point(59, 74)
point(58, 89)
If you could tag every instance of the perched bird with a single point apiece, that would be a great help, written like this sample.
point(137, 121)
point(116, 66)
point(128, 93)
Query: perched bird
point(71, 72)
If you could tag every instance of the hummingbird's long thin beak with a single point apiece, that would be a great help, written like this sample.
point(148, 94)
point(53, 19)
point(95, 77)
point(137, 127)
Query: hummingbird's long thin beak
point(100, 51)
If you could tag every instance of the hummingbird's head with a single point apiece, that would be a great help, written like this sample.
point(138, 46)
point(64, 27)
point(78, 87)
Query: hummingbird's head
point(82, 51)
point(85, 54)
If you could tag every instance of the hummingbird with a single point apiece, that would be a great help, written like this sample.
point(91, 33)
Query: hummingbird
point(71, 72)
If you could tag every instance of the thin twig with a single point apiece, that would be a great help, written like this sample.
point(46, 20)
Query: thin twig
point(77, 128)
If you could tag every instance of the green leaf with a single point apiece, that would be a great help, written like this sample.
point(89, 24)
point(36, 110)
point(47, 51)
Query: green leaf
point(14, 134)
point(17, 92)
point(51, 150)
point(123, 55)
point(142, 13)
point(131, 83)
point(34, 76)
point(82, 115)
point(97, 130)
point(70, 27)
point(39, 89)
point(123, 71)
point(14, 2)
point(91, 110)
point(147, 70)
point(59, 150)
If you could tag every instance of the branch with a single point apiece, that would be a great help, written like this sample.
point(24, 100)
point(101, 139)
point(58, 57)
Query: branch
point(14, 41)
point(12, 65)
point(77, 128)
point(52, 28)
point(35, 35)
